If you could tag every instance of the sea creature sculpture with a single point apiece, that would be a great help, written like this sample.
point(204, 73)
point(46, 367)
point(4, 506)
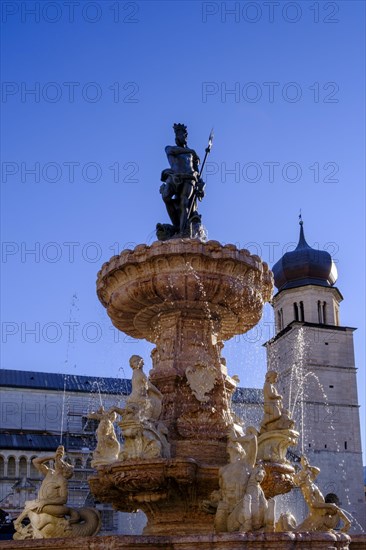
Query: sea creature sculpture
point(322, 516)
point(49, 515)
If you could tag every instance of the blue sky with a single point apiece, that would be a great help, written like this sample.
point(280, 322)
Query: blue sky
point(282, 85)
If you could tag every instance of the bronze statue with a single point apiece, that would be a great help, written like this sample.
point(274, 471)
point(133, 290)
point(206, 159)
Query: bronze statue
point(182, 186)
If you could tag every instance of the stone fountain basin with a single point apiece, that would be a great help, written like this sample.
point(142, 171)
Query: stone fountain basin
point(169, 491)
point(227, 285)
point(128, 484)
point(137, 484)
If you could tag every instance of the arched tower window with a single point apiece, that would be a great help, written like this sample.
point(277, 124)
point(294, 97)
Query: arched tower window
point(296, 311)
point(280, 319)
point(302, 315)
point(2, 467)
point(320, 313)
point(325, 313)
point(332, 498)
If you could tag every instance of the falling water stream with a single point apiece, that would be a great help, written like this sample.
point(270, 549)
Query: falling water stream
point(63, 409)
point(300, 396)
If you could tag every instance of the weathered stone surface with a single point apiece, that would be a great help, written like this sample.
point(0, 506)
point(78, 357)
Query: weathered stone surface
point(227, 541)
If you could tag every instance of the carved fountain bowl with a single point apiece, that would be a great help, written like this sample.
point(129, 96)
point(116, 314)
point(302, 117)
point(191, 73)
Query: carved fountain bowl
point(172, 491)
point(169, 491)
point(227, 285)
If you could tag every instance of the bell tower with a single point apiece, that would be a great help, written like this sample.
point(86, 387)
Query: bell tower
point(314, 355)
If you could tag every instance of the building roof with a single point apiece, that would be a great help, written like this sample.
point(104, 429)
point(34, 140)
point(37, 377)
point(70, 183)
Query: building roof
point(59, 382)
point(92, 384)
point(304, 266)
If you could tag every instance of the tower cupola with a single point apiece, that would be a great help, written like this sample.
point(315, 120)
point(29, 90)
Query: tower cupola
point(304, 266)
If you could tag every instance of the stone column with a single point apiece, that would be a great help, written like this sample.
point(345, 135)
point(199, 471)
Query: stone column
point(187, 368)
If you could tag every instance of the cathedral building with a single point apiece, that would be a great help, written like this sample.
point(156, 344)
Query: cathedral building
point(314, 355)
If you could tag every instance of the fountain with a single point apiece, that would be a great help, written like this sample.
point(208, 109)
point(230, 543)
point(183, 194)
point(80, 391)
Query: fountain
point(201, 479)
point(186, 297)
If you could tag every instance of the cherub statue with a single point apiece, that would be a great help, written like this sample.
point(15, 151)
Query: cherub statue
point(108, 446)
point(272, 400)
point(233, 477)
point(277, 431)
point(49, 514)
point(323, 516)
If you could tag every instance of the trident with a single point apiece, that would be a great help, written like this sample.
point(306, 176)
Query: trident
point(207, 151)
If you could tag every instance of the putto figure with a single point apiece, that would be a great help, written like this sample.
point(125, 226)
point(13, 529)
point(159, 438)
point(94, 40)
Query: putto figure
point(182, 186)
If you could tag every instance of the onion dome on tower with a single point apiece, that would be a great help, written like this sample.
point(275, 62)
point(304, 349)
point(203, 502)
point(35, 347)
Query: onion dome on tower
point(304, 266)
